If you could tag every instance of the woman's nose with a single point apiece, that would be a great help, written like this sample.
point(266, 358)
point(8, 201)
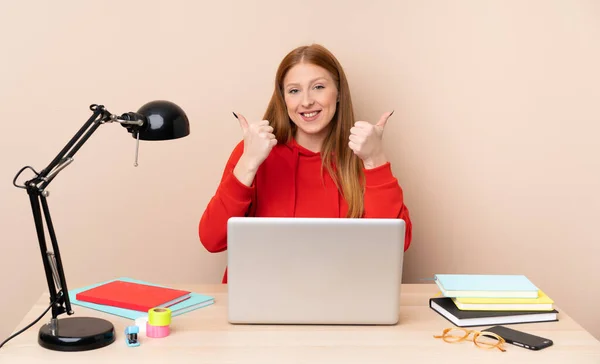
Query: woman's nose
point(307, 100)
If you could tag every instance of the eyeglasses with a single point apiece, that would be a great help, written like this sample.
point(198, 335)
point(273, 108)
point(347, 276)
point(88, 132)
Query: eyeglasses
point(484, 340)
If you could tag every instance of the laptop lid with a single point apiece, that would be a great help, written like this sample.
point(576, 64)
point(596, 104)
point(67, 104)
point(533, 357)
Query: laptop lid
point(314, 270)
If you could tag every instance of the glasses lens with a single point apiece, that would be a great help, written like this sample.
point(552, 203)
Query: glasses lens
point(455, 335)
point(486, 341)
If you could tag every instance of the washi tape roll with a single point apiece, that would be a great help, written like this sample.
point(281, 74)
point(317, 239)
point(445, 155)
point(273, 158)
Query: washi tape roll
point(159, 316)
point(157, 331)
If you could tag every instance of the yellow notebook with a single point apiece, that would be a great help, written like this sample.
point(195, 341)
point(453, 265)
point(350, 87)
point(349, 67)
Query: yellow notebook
point(542, 303)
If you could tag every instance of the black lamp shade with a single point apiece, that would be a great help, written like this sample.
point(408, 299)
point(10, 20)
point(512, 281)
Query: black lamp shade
point(164, 120)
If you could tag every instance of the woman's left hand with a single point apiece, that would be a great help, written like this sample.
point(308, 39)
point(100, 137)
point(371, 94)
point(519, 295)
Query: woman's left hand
point(366, 141)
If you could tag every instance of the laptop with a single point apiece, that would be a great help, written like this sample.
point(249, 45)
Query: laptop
point(329, 271)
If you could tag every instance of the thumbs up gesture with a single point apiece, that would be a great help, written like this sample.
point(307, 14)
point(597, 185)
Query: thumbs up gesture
point(366, 141)
point(258, 142)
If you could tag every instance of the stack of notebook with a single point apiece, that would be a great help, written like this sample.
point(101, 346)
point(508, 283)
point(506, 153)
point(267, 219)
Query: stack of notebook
point(131, 298)
point(479, 299)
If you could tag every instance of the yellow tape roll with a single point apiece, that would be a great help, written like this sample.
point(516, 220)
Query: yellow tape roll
point(159, 316)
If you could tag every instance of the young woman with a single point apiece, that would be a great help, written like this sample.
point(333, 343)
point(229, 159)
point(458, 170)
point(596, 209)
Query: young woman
point(308, 157)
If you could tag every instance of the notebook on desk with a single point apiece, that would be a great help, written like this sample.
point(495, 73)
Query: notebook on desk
point(194, 302)
point(486, 285)
point(314, 270)
point(446, 308)
point(133, 295)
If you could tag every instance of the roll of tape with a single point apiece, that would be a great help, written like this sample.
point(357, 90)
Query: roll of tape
point(157, 331)
point(159, 316)
point(141, 323)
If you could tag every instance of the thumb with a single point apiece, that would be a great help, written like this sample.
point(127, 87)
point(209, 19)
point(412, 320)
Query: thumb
point(384, 118)
point(242, 120)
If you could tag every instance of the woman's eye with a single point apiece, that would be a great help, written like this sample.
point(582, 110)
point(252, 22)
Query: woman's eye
point(319, 87)
point(292, 91)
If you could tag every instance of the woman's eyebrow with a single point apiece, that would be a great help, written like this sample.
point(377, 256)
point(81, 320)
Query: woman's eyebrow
point(311, 81)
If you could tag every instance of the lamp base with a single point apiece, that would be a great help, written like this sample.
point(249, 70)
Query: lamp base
point(77, 334)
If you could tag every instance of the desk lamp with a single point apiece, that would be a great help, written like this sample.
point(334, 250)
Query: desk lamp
point(156, 120)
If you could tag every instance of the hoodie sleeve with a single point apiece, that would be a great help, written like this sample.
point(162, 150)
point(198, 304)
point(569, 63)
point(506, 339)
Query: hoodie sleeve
point(384, 198)
point(232, 198)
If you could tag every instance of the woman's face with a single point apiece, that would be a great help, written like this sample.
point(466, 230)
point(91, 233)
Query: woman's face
point(311, 98)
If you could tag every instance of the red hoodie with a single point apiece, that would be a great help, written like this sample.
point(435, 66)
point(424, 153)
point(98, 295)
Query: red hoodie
point(289, 184)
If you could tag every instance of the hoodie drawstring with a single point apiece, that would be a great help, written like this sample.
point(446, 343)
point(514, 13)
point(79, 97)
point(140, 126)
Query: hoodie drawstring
point(296, 161)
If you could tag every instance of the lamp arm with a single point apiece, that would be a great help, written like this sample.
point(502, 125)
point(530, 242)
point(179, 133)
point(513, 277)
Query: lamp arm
point(100, 116)
point(98, 110)
point(36, 189)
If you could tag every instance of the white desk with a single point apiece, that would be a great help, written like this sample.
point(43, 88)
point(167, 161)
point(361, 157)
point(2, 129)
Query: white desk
point(204, 336)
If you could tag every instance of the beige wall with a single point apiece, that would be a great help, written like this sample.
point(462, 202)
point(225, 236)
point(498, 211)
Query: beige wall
point(494, 136)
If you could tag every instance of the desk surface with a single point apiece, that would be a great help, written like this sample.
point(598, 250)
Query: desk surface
point(205, 336)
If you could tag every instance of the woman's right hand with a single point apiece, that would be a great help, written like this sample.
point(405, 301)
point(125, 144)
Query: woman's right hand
point(259, 140)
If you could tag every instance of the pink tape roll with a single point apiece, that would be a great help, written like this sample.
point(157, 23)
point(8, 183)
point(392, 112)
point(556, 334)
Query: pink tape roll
point(157, 331)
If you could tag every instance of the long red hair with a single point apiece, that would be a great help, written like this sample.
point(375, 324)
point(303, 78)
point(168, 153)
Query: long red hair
point(341, 163)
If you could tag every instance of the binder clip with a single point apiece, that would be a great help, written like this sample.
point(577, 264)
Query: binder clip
point(131, 336)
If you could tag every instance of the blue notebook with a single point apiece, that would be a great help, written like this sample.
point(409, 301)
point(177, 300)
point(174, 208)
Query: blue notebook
point(486, 285)
point(196, 301)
